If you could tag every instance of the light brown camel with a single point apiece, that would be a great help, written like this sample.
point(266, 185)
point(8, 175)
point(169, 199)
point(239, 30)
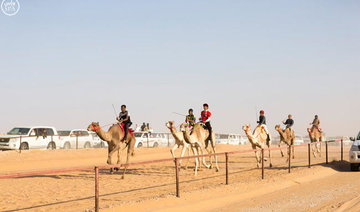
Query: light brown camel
point(179, 142)
point(288, 138)
point(258, 139)
point(197, 139)
point(113, 138)
point(315, 135)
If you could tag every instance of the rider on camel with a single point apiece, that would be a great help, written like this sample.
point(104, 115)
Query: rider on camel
point(124, 117)
point(262, 123)
point(190, 119)
point(205, 118)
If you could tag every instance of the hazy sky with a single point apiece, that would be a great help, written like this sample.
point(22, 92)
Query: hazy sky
point(63, 63)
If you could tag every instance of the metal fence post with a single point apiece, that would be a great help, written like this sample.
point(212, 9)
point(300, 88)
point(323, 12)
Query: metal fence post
point(177, 177)
point(20, 143)
point(290, 158)
point(227, 167)
point(342, 150)
point(96, 189)
point(262, 163)
point(309, 154)
point(77, 141)
point(327, 154)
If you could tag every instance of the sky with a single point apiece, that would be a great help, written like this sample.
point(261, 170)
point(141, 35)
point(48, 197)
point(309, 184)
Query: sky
point(64, 63)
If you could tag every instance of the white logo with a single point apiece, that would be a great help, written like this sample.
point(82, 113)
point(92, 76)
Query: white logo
point(10, 7)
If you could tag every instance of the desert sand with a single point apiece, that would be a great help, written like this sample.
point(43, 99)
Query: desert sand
point(151, 187)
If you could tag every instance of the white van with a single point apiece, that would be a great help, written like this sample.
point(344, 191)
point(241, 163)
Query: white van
point(24, 138)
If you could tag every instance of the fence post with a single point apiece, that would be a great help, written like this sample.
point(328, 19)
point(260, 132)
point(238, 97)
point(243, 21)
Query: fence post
point(96, 189)
point(309, 154)
point(290, 158)
point(177, 177)
point(342, 150)
point(77, 141)
point(147, 139)
point(168, 135)
point(20, 143)
point(326, 146)
point(227, 167)
point(262, 163)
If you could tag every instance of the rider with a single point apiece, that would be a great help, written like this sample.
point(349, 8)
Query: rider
point(205, 118)
point(289, 122)
point(262, 122)
point(190, 119)
point(124, 117)
point(316, 124)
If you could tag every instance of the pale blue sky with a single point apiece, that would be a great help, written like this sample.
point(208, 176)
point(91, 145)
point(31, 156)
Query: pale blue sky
point(63, 63)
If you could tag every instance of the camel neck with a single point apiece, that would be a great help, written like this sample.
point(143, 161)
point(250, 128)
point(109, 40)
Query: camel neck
point(102, 134)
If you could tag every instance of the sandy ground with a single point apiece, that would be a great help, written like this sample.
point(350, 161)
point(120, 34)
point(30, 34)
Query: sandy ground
point(151, 187)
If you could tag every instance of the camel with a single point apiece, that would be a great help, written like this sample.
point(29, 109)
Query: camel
point(113, 138)
point(197, 139)
point(315, 136)
point(258, 139)
point(179, 142)
point(286, 137)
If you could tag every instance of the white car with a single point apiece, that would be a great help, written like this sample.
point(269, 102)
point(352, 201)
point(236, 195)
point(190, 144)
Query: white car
point(78, 138)
point(24, 138)
point(144, 139)
point(298, 140)
point(354, 154)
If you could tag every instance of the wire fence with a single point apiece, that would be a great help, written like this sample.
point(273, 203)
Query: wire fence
point(233, 165)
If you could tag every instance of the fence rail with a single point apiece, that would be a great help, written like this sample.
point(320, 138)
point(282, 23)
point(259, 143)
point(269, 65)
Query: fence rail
point(176, 165)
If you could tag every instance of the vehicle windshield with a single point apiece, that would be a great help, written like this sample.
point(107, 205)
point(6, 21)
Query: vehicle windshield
point(19, 131)
point(64, 132)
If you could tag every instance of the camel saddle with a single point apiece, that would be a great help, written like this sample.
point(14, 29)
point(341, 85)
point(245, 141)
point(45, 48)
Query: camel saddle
point(131, 131)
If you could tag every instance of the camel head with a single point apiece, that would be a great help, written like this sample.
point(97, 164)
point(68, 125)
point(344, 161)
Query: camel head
point(93, 126)
point(278, 128)
point(170, 124)
point(246, 128)
point(184, 127)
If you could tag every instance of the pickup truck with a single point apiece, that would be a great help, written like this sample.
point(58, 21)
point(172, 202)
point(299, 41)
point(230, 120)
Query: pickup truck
point(24, 138)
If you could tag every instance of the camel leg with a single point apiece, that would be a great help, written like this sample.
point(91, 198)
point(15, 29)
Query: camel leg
point(196, 159)
point(314, 148)
point(269, 145)
point(188, 148)
point(215, 156)
point(182, 154)
point(172, 151)
point(257, 156)
point(129, 153)
point(293, 152)
point(203, 158)
point(282, 154)
point(117, 147)
point(209, 151)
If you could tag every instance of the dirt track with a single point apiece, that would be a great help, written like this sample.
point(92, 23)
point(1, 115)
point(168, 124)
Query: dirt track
point(151, 187)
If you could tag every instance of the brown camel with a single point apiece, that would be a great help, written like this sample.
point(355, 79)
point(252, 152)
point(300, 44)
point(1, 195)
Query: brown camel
point(113, 138)
point(286, 137)
point(315, 135)
point(197, 139)
point(258, 139)
point(179, 142)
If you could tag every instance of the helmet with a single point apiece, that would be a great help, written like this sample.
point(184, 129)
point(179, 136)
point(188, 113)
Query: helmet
point(262, 112)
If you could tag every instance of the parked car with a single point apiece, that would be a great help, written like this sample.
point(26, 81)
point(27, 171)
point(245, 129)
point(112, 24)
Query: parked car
point(24, 138)
point(354, 153)
point(231, 139)
point(144, 139)
point(298, 140)
point(78, 138)
point(97, 142)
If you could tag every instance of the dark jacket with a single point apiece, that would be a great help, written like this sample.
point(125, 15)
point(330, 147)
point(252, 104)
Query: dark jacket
point(262, 120)
point(289, 123)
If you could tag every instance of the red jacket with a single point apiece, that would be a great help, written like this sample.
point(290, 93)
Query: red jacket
point(205, 115)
